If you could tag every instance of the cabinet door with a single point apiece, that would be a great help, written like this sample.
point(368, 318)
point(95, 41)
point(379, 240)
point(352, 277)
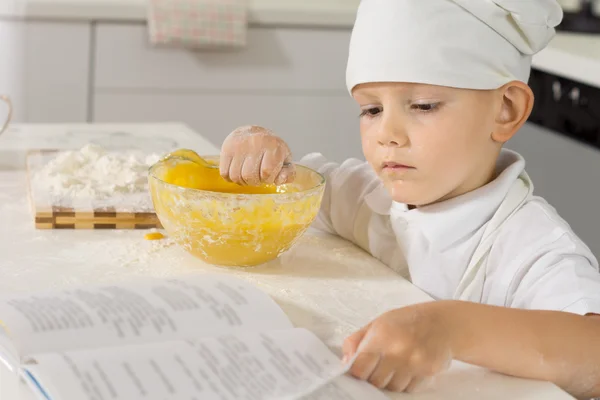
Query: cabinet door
point(275, 59)
point(44, 68)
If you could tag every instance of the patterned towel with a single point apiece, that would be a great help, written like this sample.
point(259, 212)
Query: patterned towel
point(198, 24)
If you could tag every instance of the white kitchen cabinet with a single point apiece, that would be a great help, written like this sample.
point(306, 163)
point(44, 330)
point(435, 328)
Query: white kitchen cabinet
point(328, 124)
point(291, 80)
point(44, 68)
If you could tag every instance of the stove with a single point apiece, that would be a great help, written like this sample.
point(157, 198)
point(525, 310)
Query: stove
point(569, 107)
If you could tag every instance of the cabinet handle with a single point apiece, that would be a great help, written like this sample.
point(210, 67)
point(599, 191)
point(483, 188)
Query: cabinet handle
point(557, 90)
point(574, 95)
point(4, 125)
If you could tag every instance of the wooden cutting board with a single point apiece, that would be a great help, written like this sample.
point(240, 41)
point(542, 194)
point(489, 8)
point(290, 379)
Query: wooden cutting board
point(123, 212)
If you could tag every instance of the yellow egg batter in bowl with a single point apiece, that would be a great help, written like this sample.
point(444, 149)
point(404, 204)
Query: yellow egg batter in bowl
point(226, 224)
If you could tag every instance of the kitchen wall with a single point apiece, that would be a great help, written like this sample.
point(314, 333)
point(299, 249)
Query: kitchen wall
point(45, 69)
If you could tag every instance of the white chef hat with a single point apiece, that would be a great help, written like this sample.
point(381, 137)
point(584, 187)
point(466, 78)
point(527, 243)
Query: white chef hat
point(470, 44)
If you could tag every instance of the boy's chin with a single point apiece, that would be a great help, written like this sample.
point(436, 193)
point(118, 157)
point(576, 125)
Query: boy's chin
point(408, 194)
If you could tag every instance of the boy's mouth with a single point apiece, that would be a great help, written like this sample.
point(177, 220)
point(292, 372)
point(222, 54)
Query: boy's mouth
point(394, 166)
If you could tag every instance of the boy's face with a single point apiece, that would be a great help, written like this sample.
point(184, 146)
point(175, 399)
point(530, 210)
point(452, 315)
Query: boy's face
point(428, 143)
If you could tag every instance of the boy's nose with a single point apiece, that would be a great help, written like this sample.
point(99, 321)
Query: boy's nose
point(392, 133)
point(391, 143)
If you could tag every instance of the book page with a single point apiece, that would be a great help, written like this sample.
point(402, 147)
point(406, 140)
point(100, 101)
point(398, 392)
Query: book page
point(9, 367)
point(289, 364)
point(146, 310)
point(9, 355)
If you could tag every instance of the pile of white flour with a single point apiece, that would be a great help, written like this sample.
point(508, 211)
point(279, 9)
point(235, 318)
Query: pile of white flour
point(95, 173)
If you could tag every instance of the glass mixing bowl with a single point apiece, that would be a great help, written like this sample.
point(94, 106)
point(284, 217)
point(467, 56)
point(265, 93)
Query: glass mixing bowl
point(236, 229)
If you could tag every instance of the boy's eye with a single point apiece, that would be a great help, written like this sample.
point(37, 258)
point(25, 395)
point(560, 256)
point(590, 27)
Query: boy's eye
point(428, 107)
point(371, 112)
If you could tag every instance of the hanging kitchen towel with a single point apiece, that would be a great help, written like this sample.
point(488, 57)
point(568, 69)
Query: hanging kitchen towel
point(198, 24)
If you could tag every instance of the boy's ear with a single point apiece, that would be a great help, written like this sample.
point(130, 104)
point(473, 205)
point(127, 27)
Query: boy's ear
point(516, 105)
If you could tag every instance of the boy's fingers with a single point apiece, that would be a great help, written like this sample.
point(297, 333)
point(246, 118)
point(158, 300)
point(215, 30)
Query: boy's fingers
point(287, 174)
point(365, 365)
point(418, 384)
point(400, 381)
point(384, 373)
point(235, 170)
point(224, 163)
point(251, 170)
point(270, 167)
point(352, 342)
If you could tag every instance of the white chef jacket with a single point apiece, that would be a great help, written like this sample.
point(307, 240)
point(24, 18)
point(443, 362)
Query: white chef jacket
point(533, 260)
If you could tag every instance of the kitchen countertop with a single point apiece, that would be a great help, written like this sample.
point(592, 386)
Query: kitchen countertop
point(572, 55)
point(324, 283)
point(150, 137)
point(575, 56)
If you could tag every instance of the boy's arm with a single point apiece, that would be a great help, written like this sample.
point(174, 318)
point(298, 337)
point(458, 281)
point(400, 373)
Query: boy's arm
point(347, 185)
point(521, 340)
point(553, 346)
point(419, 340)
point(544, 268)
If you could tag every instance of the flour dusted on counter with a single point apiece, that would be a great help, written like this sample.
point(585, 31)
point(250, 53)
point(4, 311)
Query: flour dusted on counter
point(95, 173)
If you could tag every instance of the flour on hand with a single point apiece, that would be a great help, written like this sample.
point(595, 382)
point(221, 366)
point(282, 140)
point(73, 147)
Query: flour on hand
point(94, 173)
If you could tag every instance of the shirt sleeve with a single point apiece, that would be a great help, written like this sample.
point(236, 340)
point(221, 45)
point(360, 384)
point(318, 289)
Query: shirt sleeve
point(571, 283)
point(547, 267)
point(347, 185)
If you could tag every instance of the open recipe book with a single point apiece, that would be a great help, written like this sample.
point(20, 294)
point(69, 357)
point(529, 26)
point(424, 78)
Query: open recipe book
point(196, 337)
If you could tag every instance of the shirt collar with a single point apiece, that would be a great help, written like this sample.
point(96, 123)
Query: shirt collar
point(449, 221)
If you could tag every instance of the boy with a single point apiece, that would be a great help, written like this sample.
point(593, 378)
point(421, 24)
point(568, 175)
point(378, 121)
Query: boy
point(441, 85)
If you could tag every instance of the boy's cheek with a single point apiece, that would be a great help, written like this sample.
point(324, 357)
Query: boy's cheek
point(370, 152)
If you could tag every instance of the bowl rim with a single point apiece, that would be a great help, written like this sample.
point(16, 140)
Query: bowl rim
point(151, 174)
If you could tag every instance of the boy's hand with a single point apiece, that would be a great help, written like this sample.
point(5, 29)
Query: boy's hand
point(252, 155)
point(400, 349)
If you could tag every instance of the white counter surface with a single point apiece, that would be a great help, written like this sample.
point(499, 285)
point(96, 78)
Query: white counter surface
point(324, 284)
point(574, 56)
